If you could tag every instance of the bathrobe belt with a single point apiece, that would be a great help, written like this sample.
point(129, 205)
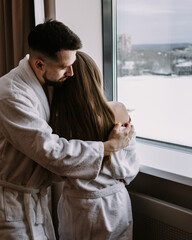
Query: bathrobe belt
point(42, 211)
point(95, 194)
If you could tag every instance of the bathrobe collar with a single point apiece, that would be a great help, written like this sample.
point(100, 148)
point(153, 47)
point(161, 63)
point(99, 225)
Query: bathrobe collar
point(29, 77)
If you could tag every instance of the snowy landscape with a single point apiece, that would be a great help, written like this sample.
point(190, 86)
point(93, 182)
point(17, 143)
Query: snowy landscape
point(160, 106)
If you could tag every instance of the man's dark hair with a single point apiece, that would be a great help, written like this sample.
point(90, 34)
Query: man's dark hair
point(51, 37)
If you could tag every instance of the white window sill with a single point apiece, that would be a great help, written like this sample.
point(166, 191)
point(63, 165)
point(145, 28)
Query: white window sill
point(164, 162)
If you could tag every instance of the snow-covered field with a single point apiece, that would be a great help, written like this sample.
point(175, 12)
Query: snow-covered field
point(162, 106)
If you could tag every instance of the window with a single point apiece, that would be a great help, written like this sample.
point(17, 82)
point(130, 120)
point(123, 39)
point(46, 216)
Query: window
point(154, 67)
point(152, 77)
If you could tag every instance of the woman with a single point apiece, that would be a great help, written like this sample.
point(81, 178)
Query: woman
point(100, 208)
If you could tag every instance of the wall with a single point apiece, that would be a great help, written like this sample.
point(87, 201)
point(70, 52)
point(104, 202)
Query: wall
point(84, 18)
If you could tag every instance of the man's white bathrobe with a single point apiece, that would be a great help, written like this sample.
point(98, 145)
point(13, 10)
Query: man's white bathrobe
point(31, 157)
point(100, 208)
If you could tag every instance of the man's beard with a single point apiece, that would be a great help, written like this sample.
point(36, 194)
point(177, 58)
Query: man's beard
point(52, 82)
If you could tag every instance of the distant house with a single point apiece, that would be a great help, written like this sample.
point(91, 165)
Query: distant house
point(183, 68)
point(127, 68)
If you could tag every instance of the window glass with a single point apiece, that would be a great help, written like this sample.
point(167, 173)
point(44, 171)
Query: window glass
point(154, 67)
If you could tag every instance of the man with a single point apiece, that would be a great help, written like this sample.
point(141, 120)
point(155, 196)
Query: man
point(31, 156)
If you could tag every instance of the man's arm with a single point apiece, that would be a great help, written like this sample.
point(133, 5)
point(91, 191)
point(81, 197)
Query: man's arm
point(28, 135)
point(23, 127)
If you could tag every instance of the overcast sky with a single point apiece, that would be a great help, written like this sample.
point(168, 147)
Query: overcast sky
point(155, 21)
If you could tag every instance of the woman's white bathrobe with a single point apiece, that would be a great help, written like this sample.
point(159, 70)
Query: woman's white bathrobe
point(100, 208)
point(31, 157)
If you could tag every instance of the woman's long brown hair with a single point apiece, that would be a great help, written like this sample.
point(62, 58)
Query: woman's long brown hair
point(79, 109)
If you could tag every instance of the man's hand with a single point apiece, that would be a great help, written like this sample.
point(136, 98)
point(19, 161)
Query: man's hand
point(118, 138)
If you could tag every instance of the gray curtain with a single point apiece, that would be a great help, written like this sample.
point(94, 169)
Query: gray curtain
point(49, 9)
point(55, 191)
point(16, 21)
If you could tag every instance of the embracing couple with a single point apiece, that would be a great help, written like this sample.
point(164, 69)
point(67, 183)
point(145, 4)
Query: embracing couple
point(57, 126)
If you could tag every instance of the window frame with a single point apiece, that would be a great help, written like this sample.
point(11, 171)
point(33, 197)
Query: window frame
point(110, 87)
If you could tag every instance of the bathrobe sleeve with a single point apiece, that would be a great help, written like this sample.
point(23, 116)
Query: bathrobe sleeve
point(24, 127)
point(124, 163)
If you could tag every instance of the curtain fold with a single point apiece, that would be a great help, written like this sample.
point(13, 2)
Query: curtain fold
point(49, 6)
point(16, 21)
